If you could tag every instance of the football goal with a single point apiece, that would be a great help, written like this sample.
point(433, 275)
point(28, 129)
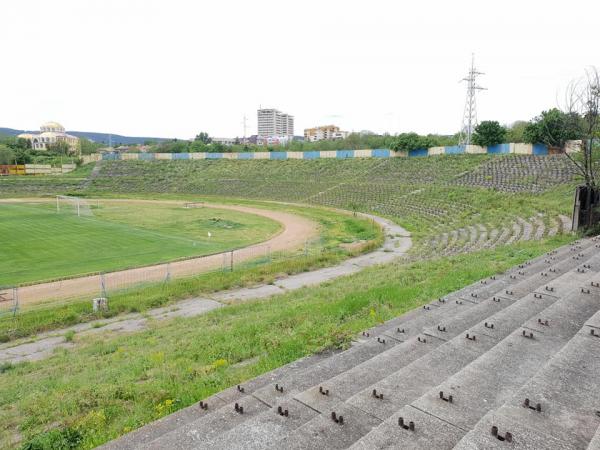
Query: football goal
point(73, 205)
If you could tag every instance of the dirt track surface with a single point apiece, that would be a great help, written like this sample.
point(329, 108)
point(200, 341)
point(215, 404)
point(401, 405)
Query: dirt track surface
point(397, 243)
point(296, 231)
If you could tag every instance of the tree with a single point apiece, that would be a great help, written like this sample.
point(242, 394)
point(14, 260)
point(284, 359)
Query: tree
point(580, 120)
point(88, 147)
point(24, 144)
point(411, 141)
point(7, 155)
point(553, 128)
point(217, 147)
point(442, 140)
point(59, 148)
point(23, 156)
point(353, 141)
point(583, 111)
point(489, 132)
point(516, 131)
point(174, 146)
point(203, 137)
point(198, 146)
point(15, 142)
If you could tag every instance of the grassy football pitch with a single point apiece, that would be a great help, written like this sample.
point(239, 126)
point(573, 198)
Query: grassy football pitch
point(38, 244)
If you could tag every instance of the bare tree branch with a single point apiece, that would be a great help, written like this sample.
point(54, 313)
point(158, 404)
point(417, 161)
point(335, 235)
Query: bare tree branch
point(582, 104)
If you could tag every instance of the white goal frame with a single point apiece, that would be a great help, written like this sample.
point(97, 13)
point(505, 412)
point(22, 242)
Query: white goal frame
point(73, 200)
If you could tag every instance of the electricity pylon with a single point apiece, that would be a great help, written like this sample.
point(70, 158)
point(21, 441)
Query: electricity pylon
point(469, 121)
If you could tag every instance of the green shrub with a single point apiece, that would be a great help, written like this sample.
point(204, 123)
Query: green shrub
point(69, 335)
point(62, 439)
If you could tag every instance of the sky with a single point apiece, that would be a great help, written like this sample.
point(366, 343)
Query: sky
point(173, 68)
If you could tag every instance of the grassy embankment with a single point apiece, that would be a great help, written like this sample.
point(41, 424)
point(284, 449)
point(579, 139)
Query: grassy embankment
point(108, 385)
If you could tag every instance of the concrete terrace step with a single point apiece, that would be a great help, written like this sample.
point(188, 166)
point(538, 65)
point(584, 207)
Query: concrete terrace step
point(224, 399)
point(404, 386)
point(258, 396)
point(359, 377)
point(566, 390)
point(148, 433)
point(367, 401)
point(595, 442)
point(491, 379)
point(251, 432)
point(342, 386)
point(380, 353)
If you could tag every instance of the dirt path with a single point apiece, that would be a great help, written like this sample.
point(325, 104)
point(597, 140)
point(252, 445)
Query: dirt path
point(296, 231)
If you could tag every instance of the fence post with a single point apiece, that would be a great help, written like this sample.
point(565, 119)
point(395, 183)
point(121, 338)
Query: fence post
point(103, 286)
point(16, 300)
point(168, 276)
point(306, 248)
point(231, 260)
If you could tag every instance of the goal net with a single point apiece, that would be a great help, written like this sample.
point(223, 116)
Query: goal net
point(73, 205)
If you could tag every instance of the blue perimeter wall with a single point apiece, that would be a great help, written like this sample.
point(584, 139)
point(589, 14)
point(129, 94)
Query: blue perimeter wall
point(500, 149)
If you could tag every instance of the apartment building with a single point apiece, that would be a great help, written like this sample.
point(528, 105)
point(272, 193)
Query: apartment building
point(324, 133)
point(272, 122)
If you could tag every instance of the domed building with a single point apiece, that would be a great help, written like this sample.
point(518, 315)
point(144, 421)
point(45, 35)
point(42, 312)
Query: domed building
point(51, 133)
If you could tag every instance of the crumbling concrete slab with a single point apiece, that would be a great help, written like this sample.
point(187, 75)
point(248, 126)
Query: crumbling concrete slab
point(489, 381)
point(323, 370)
point(323, 432)
point(429, 433)
point(523, 438)
point(148, 433)
point(504, 322)
point(408, 384)
point(323, 395)
point(266, 429)
point(565, 318)
point(197, 433)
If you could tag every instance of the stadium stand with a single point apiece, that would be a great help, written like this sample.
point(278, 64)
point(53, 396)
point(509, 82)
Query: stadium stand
point(521, 173)
point(439, 195)
point(511, 361)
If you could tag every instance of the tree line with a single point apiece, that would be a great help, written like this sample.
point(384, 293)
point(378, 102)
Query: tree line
point(14, 150)
point(553, 128)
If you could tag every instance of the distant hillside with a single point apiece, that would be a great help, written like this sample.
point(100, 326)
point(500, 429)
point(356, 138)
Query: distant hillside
point(116, 139)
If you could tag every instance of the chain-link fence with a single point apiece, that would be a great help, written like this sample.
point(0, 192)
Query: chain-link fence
point(104, 285)
point(9, 301)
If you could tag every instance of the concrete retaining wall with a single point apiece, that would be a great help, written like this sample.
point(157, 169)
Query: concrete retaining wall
point(46, 169)
point(500, 149)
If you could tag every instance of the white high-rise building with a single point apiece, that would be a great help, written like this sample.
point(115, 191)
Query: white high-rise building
point(272, 122)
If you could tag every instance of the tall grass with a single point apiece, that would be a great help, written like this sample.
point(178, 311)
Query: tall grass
point(108, 385)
